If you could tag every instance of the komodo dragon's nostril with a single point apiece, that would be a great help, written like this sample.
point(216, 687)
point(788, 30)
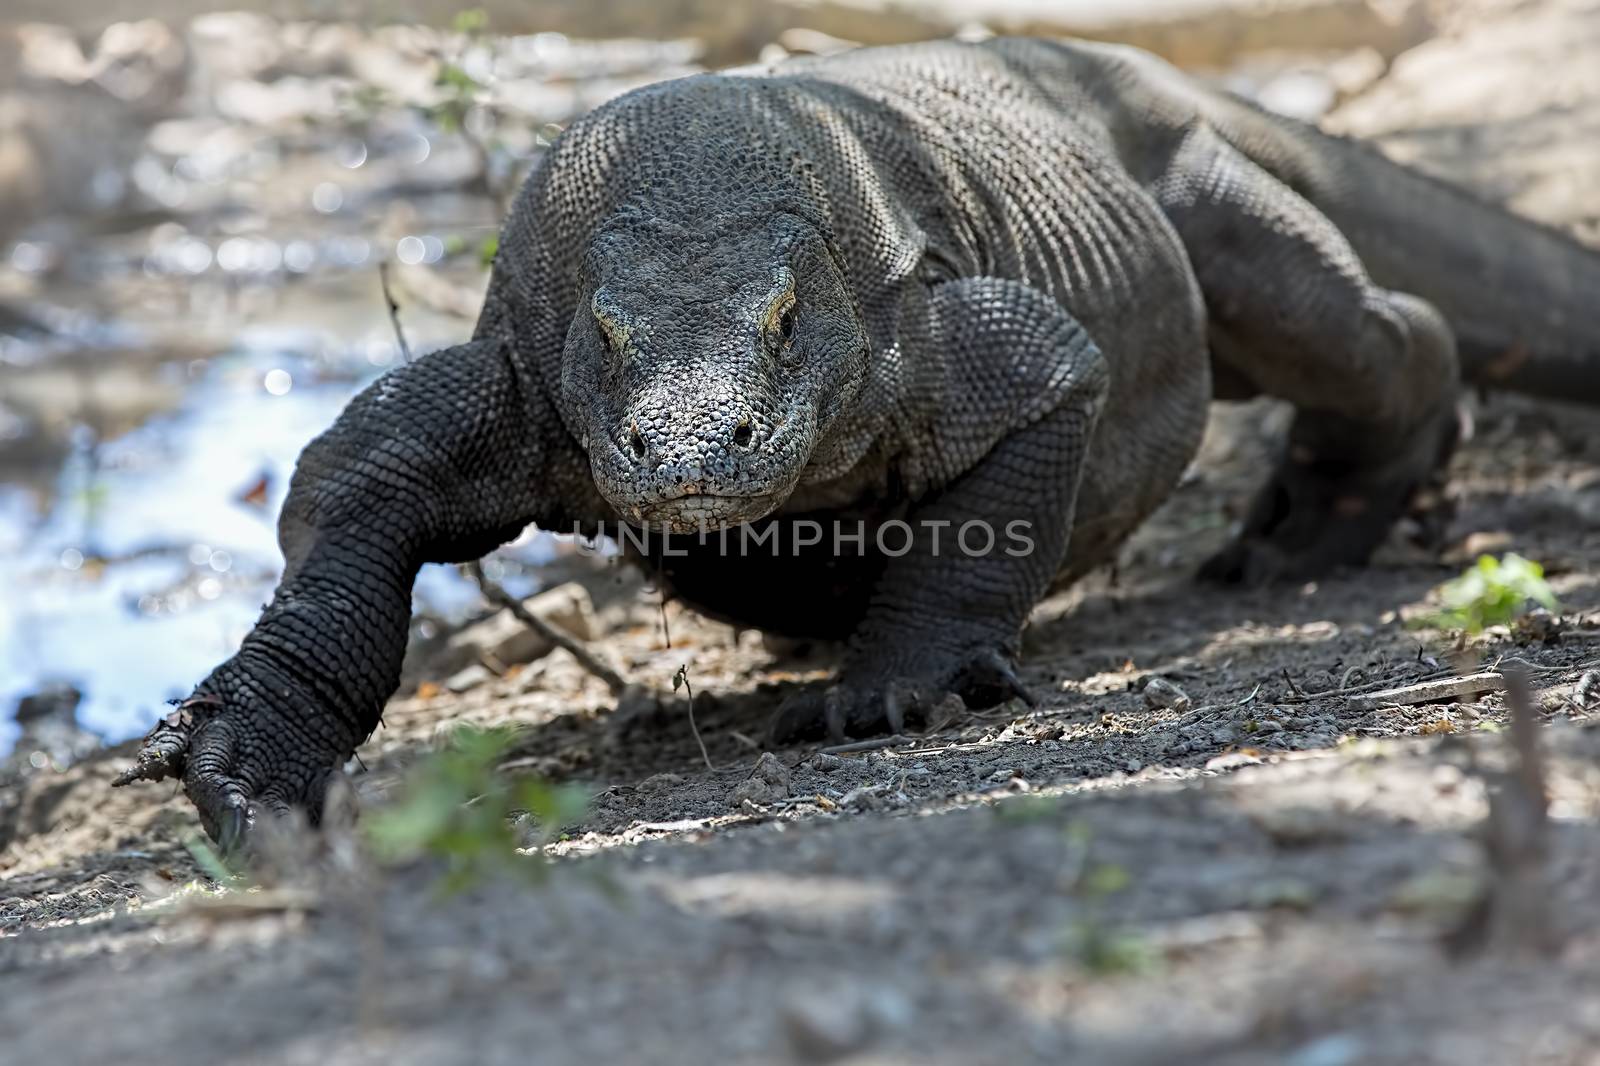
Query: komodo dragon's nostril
point(742, 433)
point(636, 442)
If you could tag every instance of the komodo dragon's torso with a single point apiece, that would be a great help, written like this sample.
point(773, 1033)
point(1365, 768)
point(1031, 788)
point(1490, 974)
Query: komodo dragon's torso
point(950, 286)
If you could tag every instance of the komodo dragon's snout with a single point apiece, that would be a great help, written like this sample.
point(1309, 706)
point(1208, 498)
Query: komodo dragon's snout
point(705, 368)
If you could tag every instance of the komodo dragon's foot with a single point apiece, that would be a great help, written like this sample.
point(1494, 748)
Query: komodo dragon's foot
point(1332, 501)
point(245, 750)
point(867, 701)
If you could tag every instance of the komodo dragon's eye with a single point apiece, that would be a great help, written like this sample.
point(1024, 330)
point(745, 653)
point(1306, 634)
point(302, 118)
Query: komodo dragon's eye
point(614, 335)
point(780, 324)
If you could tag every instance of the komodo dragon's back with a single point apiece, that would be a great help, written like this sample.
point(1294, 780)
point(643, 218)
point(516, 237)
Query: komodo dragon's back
point(1522, 298)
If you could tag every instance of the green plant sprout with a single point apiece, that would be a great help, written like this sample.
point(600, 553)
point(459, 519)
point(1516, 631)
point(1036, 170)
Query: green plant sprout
point(212, 863)
point(1099, 945)
point(1491, 592)
point(458, 807)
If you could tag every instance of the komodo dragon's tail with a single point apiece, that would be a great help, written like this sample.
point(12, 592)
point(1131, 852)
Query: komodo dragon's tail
point(1523, 298)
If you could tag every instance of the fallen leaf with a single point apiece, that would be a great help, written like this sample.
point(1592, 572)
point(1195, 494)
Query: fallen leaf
point(256, 494)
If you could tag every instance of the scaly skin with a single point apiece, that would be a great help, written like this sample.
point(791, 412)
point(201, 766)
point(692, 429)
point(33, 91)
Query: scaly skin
point(942, 285)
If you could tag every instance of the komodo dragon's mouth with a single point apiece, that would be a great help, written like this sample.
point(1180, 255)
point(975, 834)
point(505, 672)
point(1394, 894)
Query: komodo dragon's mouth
point(695, 511)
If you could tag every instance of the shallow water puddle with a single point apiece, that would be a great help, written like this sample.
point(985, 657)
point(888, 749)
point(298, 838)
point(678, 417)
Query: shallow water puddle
point(146, 557)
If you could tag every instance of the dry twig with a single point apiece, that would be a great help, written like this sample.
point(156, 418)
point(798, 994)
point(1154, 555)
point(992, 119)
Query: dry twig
point(682, 678)
point(876, 744)
point(1431, 691)
point(554, 634)
point(394, 311)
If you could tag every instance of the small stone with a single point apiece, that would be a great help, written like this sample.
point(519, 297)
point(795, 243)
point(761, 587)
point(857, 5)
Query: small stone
point(1485, 542)
point(824, 763)
point(769, 781)
point(1588, 688)
point(1303, 94)
point(1539, 624)
point(866, 797)
point(824, 1028)
point(1002, 775)
point(469, 678)
point(1224, 735)
point(771, 772)
point(1267, 725)
point(1134, 766)
point(660, 782)
point(752, 790)
point(1161, 693)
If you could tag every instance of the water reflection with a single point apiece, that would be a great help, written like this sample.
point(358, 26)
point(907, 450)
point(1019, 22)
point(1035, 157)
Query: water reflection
point(148, 555)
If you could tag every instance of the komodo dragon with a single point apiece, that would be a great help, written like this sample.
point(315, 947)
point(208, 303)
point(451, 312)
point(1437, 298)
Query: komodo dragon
point(936, 285)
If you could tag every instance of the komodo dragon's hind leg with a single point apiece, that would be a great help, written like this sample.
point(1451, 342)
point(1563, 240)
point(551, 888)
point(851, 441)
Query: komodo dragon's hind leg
point(1372, 373)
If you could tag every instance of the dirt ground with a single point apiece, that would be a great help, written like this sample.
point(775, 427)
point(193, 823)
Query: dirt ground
point(1273, 873)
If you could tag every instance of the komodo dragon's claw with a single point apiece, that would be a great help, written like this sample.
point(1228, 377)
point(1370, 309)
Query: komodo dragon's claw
point(868, 705)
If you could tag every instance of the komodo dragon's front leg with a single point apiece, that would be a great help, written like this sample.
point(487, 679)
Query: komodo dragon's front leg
point(1017, 404)
point(440, 460)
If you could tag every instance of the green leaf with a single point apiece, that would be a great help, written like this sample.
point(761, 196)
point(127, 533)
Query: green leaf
point(457, 806)
point(209, 860)
point(1106, 879)
point(408, 828)
point(478, 748)
point(1111, 951)
point(470, 22)
point(1491, 592)
point(453, 77)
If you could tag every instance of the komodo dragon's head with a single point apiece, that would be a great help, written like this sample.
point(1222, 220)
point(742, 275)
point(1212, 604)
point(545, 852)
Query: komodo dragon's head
point(709, 363)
